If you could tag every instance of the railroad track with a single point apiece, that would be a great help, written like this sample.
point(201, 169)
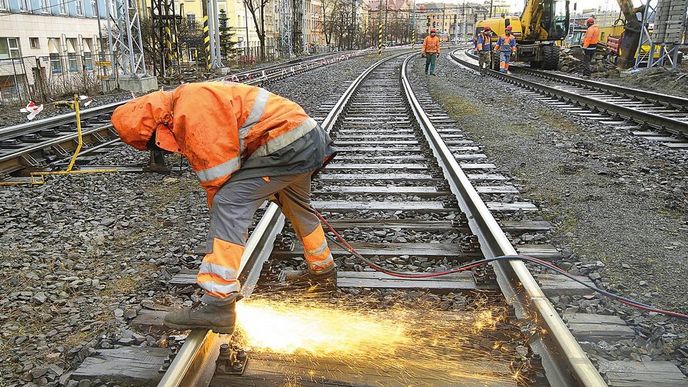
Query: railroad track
point(413, 194)
point(34, 145)
point(657, 117)
point(395, 175)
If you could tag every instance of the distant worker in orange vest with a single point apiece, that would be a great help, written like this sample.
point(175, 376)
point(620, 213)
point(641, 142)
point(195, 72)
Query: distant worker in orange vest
point(590, 40)
point(431, 50)
point(484, 48)
point(506, 45)
point(246, 145)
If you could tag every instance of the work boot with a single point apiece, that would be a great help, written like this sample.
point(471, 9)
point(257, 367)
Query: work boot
point(325, 281)
point(216, 317)
point(156, 163)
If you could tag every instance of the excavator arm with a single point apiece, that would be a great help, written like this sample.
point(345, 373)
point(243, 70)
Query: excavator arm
point(531, 19)
point(541, 21)
point(632, 30)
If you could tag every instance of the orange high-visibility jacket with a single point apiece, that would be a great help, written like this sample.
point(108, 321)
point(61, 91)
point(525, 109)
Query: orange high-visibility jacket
point(592, 36)
point(431, 44)
point(216, 126)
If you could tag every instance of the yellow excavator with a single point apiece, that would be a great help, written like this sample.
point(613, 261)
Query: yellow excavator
point(544, 23)
point(627, 42)
point(541, 25)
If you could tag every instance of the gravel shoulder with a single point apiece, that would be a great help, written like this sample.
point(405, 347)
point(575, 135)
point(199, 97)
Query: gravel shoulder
point(81, 255)
point(614, 198)
point(659, 80)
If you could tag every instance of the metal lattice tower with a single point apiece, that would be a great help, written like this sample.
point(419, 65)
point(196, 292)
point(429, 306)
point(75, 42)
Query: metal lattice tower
point(164, 36)
point(664, 42)
point(124, 38)
point(286, 23)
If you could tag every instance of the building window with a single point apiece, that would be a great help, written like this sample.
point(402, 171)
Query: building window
point(24, 5)
point(45, 6)
point(87, 56)
point(3, 5)
point(88, 61)
point(63, 7)
point(79, 7)
point(34, 43)
point(55, 63)
point(72, 58)
point(9, 48)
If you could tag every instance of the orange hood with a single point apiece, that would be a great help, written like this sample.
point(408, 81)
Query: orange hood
point(138, 119)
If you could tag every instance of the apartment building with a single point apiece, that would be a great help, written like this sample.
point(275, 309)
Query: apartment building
point(452, 21)
point(55, 41)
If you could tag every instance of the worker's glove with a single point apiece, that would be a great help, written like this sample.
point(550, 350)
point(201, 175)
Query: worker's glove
point(422, 55)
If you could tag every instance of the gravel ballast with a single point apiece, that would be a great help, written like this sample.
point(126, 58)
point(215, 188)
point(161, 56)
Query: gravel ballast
point(618, 201)
point(82, 255)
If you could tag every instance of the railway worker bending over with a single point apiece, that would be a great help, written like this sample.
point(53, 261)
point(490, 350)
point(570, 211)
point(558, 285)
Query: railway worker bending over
point(246, 145)
point(506, 45)
point(484, 48)
point(590, 40)
point(431, 50)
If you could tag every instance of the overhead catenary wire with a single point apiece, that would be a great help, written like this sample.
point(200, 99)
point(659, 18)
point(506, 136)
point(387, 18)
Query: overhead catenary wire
point(340, 241)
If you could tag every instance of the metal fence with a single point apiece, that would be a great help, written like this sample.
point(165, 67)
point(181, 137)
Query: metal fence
point(46, 77)
point(247, 57)
point(53, 76)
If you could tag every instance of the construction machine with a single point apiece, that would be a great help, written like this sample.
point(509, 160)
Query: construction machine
point(541, 25)
point(626, 44)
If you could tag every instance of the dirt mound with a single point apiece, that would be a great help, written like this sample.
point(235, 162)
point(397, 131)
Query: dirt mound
point(571, 60)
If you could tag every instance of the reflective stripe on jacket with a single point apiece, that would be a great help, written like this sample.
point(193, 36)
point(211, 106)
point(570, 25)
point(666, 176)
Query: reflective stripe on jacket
point(484, 43)
point(216, 126)
point(592, 36)
point(506, 43)
point(431, 44)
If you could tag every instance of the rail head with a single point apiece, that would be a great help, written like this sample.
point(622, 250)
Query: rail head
point(565, 362)
point(251, 76)
point(652, 119)
point(194, 364)
point(604, 86)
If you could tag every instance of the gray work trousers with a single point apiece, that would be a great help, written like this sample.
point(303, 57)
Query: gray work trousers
point(236, 202)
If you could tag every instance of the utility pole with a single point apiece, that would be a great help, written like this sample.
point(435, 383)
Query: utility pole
point(490, 8)
point(413, 23)
point(100, 31)
point(216, 34)
point(465, 22)
point(246, 23)
point(384, 34)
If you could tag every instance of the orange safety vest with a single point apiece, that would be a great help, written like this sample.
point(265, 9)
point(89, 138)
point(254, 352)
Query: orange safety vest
point(506, 43)
point(431, 44)
point(592, 36)
point(216, 126)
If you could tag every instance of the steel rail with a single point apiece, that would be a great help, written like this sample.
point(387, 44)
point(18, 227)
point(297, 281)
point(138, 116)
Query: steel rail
point(272, 72)
point(643, 95)
point(194, 365)
point(14, 159)
point(13, 131)
point(646, 95)
point(564, 361)
point(655, 120)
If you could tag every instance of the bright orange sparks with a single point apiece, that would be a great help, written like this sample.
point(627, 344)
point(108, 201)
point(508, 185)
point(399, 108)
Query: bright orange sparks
point(288, 328)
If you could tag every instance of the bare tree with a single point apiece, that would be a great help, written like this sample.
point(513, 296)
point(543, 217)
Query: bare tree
point(329, 8)
point(257, 10)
